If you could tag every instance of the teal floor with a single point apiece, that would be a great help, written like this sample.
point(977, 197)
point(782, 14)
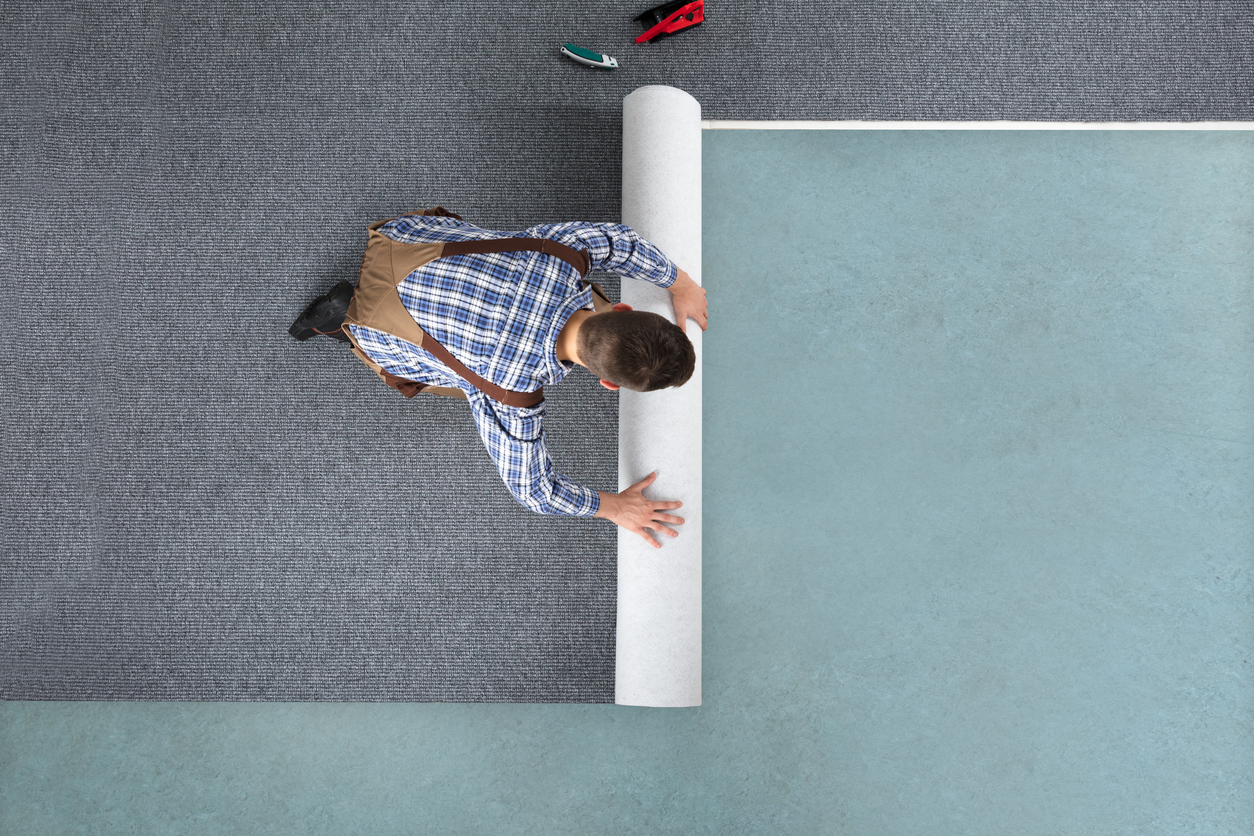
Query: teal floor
point(978, 423)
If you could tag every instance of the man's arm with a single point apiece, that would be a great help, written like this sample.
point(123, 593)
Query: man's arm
point(619, 249)
point(614, 248)
point(515, 439)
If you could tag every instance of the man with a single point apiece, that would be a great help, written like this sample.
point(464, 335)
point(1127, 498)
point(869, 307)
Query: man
point(446, 306)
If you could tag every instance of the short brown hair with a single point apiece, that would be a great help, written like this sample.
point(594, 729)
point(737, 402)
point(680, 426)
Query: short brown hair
point(636, 349)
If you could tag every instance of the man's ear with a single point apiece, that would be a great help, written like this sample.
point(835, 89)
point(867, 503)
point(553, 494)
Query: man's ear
point(613, 387)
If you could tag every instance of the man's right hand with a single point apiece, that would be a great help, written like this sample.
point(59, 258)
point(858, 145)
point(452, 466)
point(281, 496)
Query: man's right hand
point(688, 297)
point(637, 513)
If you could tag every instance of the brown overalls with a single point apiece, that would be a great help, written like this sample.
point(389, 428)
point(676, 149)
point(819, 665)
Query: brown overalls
point(377, 302)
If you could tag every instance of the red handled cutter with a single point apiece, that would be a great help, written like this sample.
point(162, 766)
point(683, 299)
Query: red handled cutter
point(669, 18)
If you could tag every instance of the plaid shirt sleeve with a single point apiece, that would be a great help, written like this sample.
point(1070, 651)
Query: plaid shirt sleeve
point(514, 437)
point(614, 248)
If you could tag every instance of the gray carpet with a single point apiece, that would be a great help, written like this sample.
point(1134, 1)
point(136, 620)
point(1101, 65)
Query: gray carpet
point(196, 507)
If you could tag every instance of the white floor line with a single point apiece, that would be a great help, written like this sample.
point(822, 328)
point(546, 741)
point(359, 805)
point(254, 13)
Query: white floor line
point(800, 125)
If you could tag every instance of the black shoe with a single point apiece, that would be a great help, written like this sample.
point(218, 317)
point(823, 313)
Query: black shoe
point(325, 315)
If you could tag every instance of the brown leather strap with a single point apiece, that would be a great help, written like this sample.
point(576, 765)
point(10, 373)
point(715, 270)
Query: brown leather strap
point(438, 211)
point(408, 388)
point(505, 396)
point(575, 258)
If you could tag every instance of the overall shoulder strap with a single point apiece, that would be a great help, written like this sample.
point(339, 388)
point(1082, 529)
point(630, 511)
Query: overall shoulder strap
point(509, 397)
point(575, 258)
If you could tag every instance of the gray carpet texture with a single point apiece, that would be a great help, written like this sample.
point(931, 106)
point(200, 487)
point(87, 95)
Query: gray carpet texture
point(197, 507)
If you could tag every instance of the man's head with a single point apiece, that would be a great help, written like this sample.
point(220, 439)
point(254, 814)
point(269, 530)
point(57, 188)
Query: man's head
point(635, 349)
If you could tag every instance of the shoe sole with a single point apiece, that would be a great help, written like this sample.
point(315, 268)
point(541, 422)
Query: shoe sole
point(322, 311)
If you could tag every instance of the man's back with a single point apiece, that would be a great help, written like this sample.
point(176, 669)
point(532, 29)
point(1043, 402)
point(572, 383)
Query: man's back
point(501, 313)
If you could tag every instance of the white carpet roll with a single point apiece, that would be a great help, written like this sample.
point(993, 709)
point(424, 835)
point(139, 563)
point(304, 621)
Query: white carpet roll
point(659, 590)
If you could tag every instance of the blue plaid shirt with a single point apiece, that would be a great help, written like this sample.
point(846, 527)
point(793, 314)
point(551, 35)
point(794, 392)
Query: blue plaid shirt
point(500, 314)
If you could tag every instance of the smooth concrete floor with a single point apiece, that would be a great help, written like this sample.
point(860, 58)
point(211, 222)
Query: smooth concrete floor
point(978, 437)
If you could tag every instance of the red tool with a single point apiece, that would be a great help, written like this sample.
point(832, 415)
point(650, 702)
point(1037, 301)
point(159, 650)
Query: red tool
point(669, 18)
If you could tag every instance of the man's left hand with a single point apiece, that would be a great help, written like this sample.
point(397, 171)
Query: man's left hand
point(689, 300)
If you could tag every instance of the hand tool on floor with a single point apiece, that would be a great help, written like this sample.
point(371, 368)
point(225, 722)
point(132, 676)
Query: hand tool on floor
point(590, 58)
point(667, 19)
